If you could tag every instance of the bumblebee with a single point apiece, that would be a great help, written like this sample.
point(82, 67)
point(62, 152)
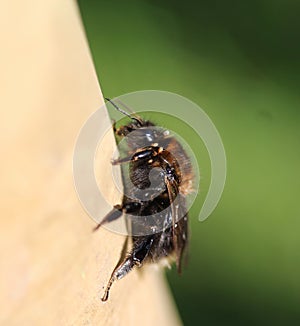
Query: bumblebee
point(158, 221)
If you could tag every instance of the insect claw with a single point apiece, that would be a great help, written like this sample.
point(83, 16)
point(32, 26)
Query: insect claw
point(107, 289)
point(105, 295)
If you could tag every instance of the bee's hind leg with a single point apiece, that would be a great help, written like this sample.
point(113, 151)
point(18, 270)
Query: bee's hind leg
point(140, 250)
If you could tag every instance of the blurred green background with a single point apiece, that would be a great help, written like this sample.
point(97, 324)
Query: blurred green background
point(239, 60)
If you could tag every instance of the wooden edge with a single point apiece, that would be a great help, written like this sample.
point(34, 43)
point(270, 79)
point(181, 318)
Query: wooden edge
point(53, 268)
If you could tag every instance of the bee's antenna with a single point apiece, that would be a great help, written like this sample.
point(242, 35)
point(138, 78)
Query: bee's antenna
point(122, 111)
point(118, 108)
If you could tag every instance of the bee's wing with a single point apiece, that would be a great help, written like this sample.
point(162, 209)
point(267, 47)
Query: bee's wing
point(179, 221)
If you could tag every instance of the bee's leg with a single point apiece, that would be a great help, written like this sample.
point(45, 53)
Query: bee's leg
point(117, 211)
point(145, 155)
point(114, 214)
point(122, 160)
point(140, 250)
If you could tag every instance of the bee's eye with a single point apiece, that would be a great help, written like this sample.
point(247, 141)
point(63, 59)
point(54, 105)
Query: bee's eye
point(149, 136)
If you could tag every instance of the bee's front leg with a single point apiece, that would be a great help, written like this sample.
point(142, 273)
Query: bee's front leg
point(122, 160)
point(146, 154)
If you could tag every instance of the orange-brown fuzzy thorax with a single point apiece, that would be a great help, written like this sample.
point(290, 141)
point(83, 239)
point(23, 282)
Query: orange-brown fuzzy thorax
point(183, 166)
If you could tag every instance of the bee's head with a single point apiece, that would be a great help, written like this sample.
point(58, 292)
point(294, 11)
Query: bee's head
point(146, 136)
